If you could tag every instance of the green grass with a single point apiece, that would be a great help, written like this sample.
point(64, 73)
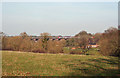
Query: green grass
point(35, 64)
point(93, 51)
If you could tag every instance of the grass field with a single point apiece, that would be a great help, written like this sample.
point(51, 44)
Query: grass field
point(35, 64)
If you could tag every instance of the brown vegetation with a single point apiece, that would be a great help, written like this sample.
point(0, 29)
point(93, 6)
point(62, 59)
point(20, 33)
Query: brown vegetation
point(24, 43)
point(108, 42)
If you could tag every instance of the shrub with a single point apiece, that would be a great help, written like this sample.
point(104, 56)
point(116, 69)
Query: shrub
point(76, 51)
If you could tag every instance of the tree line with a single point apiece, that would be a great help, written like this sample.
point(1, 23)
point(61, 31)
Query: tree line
point(108, 42)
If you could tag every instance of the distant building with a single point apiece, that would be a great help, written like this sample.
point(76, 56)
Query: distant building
point(73, 48)
point(93, 45)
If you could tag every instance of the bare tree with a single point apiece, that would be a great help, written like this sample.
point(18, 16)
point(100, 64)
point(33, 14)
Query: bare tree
point(109, 42)
point(24, 34)
point(45, 37)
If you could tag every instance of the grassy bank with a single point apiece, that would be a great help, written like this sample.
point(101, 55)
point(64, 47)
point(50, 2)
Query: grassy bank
point(36, 64)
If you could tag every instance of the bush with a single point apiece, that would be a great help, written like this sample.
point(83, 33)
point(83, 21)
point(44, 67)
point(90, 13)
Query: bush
point(76, 51)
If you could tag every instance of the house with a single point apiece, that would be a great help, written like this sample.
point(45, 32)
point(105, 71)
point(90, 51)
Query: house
point(73, 48)
point(93, 45)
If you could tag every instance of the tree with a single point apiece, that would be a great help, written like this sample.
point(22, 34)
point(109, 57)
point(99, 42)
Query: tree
point(70, 42)
point(81, 33)
point(97, 37)
point(45, 38)
point(2, 34)
point(109, 42)
point(55, 46)
point(2, 40)
point(26, 44)
point(82, 39)
point(23, 34)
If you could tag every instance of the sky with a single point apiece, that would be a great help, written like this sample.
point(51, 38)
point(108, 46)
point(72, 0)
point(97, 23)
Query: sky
point(58, 18)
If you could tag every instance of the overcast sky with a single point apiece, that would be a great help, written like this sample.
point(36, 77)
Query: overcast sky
point(58, 18)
